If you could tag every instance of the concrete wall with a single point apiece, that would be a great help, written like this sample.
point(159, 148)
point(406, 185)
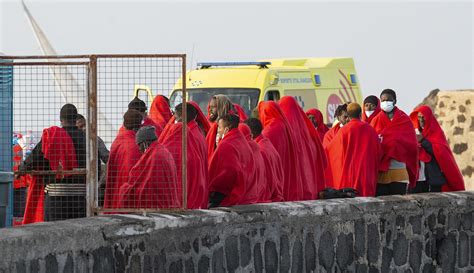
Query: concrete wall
point(417, 233)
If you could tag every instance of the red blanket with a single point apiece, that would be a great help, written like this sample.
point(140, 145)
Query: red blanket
point(355, 154)
point(277, 129)
point(376, 112)
point(153, 182)
point(262, 184)
point(124, 153)
point(318, 116)
point(197, 172)
point(273, 170)
point(160, 111)
point(232, 171)
point(435, 135)
point(308, 146)
point(201, 119)
point(147, 122)
point(58, 149)
point(242, 115)
point(398, 142)
point(329, 136)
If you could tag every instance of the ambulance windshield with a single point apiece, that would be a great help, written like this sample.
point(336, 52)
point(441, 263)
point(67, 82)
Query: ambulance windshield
point(247, 98)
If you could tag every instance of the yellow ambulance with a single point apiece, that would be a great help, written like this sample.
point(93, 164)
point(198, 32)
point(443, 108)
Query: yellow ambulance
point(321, 83)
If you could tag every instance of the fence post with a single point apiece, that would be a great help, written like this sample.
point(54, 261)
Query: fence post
point(184, 148)
point(92, 154)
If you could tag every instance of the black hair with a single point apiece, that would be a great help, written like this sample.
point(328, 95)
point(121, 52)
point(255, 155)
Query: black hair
point(137, 104)
point(255, 126)
point(132, 120)
point(68, 113)
point(372, 99)
point(191, 112)
point(389, 92)
point(341, 108)
point(80, 117)
point(230, 120)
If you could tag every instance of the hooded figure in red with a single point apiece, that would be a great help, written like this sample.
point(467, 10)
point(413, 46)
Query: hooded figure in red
point(232, 171)
point(197, 172)
point(201, 119)
point(316, 118)
point(124, 154)
point(273, 186)
point(434, 149)
point(219, 106)
point(59, 149)
point(160, 111)
point(371, 108)
point(399, 144)
point(308, 147)
point(278, 130)
point(355, 154)
point(259, 164)
point(153, 180)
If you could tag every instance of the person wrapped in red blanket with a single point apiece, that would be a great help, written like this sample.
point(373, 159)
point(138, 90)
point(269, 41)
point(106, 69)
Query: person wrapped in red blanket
point(273, 185)
point(440, 168)
point(371, 108)
point(59, 149)
point(355, 154)
point(197, 165)
point(309, 148)
point(232, 173)
point(152, 183)
point(124, 154)
point(399, 164)
point(160, 112)
point(341, 119)
point(316, 118)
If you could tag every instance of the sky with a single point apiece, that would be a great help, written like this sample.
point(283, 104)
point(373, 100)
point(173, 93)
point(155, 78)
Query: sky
point(411, 47)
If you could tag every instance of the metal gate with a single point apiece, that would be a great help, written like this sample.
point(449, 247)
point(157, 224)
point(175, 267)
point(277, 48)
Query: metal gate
point(100, 86)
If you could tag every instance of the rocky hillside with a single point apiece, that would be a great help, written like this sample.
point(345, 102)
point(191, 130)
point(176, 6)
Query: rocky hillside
point(455, 113)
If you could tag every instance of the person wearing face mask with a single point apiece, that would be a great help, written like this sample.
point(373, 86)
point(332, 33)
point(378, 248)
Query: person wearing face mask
point(153, 182)
point(398, 169)
point(371, 108)
point(124, 153)
point(354, 155)
point(440, 171)
point(232, 171)
point(342, 118)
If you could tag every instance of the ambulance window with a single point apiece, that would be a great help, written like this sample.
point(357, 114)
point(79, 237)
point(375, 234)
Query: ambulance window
point(272, 95)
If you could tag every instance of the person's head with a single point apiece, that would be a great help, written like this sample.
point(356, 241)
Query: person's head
point(219, 106)
point(255, 126)
point(421, 120)
point(191, 112)
point(341, 114)
point(138, 105)
point(81, 122)
point(145, 137)
point(132, 120)
point(388, 100)
point(68, 115)
point(354, 110)
point(227, 123)
point(370, 103)
point(166, 99)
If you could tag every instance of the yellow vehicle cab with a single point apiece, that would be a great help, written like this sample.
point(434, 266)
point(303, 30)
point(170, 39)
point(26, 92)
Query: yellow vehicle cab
point(321, 83)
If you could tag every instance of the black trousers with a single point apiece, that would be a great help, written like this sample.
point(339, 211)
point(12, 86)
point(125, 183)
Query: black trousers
point(424, 186)
point(393, 188)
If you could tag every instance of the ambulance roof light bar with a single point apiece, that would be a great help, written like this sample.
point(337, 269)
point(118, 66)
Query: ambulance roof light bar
point(209, 64)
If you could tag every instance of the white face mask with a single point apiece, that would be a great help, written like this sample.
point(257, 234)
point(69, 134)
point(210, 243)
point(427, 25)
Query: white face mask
point(369, 113)
point(387, 106)
point(340, 124)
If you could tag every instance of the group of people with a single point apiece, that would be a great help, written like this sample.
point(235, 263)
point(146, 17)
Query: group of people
point(279, 154)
